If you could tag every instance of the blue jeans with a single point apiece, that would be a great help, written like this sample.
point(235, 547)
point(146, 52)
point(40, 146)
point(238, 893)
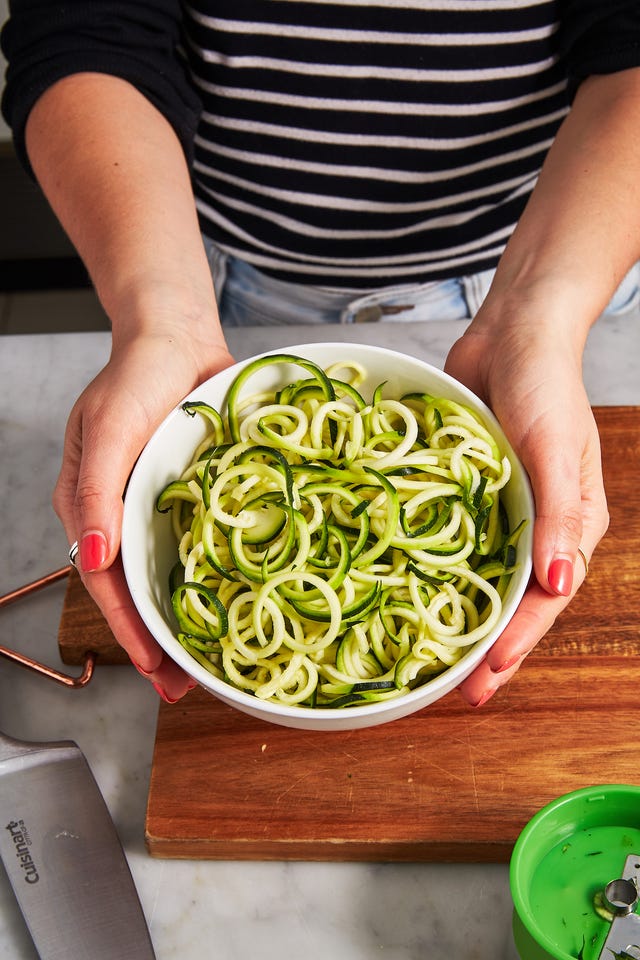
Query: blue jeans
point(246, 297)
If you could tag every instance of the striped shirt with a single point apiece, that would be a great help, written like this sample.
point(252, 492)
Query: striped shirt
point(356, 145)
point(349, 144)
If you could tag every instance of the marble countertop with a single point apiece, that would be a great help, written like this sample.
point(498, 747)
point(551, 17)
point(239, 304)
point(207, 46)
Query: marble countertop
point(230, 910)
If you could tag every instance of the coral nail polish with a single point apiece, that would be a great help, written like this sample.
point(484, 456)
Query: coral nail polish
point(143, 673)
point(483, 699)
point(162, 693)
point(93, 551)
point(560, 576)
point(510, 662)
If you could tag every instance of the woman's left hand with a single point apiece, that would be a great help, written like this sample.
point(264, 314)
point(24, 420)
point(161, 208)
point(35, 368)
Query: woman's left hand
point(527, 368)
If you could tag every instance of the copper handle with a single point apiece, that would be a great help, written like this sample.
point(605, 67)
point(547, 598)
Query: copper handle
point(28, 588)
point(27, 662)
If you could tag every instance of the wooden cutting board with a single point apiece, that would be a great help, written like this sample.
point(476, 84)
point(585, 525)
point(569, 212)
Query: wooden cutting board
point(449, 783)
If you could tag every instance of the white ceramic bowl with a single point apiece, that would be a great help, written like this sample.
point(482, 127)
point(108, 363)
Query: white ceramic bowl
point(149, 548)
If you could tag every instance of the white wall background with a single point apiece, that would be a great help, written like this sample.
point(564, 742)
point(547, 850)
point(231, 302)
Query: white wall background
point(5, 133)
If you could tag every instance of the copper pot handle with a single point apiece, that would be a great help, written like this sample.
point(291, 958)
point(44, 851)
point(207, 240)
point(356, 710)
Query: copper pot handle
point(49, 672)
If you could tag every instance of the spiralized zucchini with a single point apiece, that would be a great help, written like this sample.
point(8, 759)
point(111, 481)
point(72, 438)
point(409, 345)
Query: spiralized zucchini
point(334, 550)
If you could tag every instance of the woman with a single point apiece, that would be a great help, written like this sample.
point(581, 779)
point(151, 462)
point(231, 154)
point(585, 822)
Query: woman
point(480, 158)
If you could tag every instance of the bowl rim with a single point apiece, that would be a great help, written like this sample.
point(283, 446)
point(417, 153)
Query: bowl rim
point(271, 710)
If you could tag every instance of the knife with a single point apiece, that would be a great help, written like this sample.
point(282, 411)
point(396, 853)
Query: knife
point(64, 858)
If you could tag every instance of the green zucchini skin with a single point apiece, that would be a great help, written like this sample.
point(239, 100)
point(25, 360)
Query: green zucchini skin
point(335, 550)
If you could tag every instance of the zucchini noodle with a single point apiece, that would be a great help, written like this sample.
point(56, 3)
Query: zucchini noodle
point(334, 550)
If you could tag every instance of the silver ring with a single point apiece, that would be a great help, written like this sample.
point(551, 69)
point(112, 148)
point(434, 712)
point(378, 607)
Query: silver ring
point(73, 552)
point(585, 561)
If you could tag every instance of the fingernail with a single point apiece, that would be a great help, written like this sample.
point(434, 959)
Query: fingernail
point(162, 693)
point(483, 699)
point(192, 685)
point(142, 672)
point(508, 663)
point(560, 576)
point(93, 551)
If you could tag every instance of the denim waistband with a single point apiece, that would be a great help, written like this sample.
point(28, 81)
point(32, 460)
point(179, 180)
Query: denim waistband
point(248, 297)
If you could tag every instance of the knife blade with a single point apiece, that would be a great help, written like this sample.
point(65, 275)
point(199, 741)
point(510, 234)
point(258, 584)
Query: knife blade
point(64, 858)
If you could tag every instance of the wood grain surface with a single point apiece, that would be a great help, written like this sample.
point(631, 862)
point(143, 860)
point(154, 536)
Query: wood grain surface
point(449, 783)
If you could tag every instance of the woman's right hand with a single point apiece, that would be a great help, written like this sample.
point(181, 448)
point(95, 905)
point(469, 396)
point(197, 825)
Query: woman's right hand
point(115, 173)
point(146, 376)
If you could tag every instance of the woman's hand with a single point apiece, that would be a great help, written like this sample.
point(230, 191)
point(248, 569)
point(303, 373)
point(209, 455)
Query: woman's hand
point(573, 244)
point(527, 368)
point(115, 173)
point(108, 427)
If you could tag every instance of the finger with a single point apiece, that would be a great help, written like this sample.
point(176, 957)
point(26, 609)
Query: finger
point(536, 614)
point(462, 362)
point(65, 489)
point(170, 682)
point(534, 617)
point(102, 441)
point(110, 447)
point(561, 454)
point(109, 590)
